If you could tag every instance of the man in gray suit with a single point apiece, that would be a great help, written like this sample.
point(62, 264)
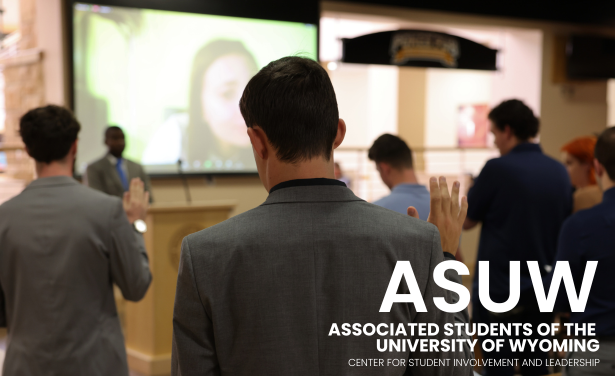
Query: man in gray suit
point(62, 246)
point(112, 173)
point(259, 293)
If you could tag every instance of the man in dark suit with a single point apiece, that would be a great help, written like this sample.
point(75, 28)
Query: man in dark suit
point(112, 173)
point(62, 246)
point(259, 293)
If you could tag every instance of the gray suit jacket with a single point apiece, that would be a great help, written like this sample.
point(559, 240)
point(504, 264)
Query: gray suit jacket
point(62, 245)
point(102, 176)
point(258, 293)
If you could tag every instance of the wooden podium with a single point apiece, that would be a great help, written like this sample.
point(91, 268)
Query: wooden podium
point(149, 323)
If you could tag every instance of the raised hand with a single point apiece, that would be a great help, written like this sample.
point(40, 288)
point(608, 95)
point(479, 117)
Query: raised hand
point(136, 200)
point(445, 212)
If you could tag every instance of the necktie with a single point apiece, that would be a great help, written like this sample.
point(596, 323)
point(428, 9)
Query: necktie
point(120, 172)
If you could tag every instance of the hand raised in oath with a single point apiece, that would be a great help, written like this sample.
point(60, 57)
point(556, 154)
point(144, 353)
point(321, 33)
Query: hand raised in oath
point(136, 200)
point(445, 212)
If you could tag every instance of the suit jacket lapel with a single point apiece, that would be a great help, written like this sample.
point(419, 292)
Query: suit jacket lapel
point(131, 169)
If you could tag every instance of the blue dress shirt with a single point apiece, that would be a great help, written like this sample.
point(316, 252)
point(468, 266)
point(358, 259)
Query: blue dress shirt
point(404, 195)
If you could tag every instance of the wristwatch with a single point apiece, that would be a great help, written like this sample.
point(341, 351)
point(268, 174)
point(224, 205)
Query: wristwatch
point(139, 226)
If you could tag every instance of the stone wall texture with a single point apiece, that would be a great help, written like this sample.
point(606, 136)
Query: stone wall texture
point(24, 89)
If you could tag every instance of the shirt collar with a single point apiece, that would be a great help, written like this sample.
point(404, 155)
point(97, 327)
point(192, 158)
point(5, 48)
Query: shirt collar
point(113, 159)
point(306, 182)
point(308, 194)
point(408, 186)
point(527, 147)
point(609, 195)
point(52, 180)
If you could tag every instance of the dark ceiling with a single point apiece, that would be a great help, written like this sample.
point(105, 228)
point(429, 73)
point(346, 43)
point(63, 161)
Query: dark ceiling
point(586, 12)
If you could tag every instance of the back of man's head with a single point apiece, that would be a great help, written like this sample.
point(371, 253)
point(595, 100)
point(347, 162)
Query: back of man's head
point(518, 116)
point(49, 132)
point(392, 150)
point(605, 151)
point(292, 100)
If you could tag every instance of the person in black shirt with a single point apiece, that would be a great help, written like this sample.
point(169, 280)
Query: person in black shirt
point(522, 199)
point(590, 235)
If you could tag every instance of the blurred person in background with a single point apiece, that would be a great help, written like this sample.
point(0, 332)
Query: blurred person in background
point(62, 246)
point(112, 173)
point(578, 157)
point(590, 235)
point(522, 199)
point(393, 160)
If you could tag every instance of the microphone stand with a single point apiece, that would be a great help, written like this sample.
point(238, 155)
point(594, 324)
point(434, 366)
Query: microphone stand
point(184, 181)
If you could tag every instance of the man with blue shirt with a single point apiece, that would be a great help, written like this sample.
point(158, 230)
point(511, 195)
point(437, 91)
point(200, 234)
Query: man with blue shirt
point(522, 200)
point(111, 173)
point(393, 160)
point(590, 235)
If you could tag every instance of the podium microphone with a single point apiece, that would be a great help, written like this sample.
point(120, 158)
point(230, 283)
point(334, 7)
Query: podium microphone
point(184, 181)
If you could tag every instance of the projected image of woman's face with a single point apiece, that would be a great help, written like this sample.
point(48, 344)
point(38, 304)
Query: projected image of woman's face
point(120, 76)
point(223, 84)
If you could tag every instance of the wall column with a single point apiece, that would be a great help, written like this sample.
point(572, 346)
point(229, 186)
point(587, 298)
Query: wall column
point(412, 110)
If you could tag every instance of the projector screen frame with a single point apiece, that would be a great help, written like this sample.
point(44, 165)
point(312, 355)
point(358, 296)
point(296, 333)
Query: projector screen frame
point(302, 11)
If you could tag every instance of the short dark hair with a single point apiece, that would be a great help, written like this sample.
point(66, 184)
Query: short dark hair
point(49, 132)
point(392, 150)
point(292, 100)
point(112, 128)
point(605, 151)
point(516, 114)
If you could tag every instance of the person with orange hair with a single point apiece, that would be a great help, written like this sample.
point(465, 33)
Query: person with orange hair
point(578, 157)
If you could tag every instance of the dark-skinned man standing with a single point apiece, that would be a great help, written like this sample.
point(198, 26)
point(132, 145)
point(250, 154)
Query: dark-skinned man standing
point(112, 173)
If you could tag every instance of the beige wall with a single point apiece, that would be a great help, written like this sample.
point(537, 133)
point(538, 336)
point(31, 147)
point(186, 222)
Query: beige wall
point(367, 101)
point(49, 36)
point(566, 110)
point(10, 16)
point(411, 109)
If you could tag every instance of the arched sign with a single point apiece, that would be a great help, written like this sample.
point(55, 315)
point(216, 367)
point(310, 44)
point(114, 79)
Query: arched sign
point(418, 48)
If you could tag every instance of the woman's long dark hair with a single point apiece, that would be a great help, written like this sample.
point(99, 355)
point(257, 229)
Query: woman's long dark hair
point(199, 134)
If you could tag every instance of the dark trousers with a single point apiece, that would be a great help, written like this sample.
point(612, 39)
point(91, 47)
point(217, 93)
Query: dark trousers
point(606, 354)
point(523, 313)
